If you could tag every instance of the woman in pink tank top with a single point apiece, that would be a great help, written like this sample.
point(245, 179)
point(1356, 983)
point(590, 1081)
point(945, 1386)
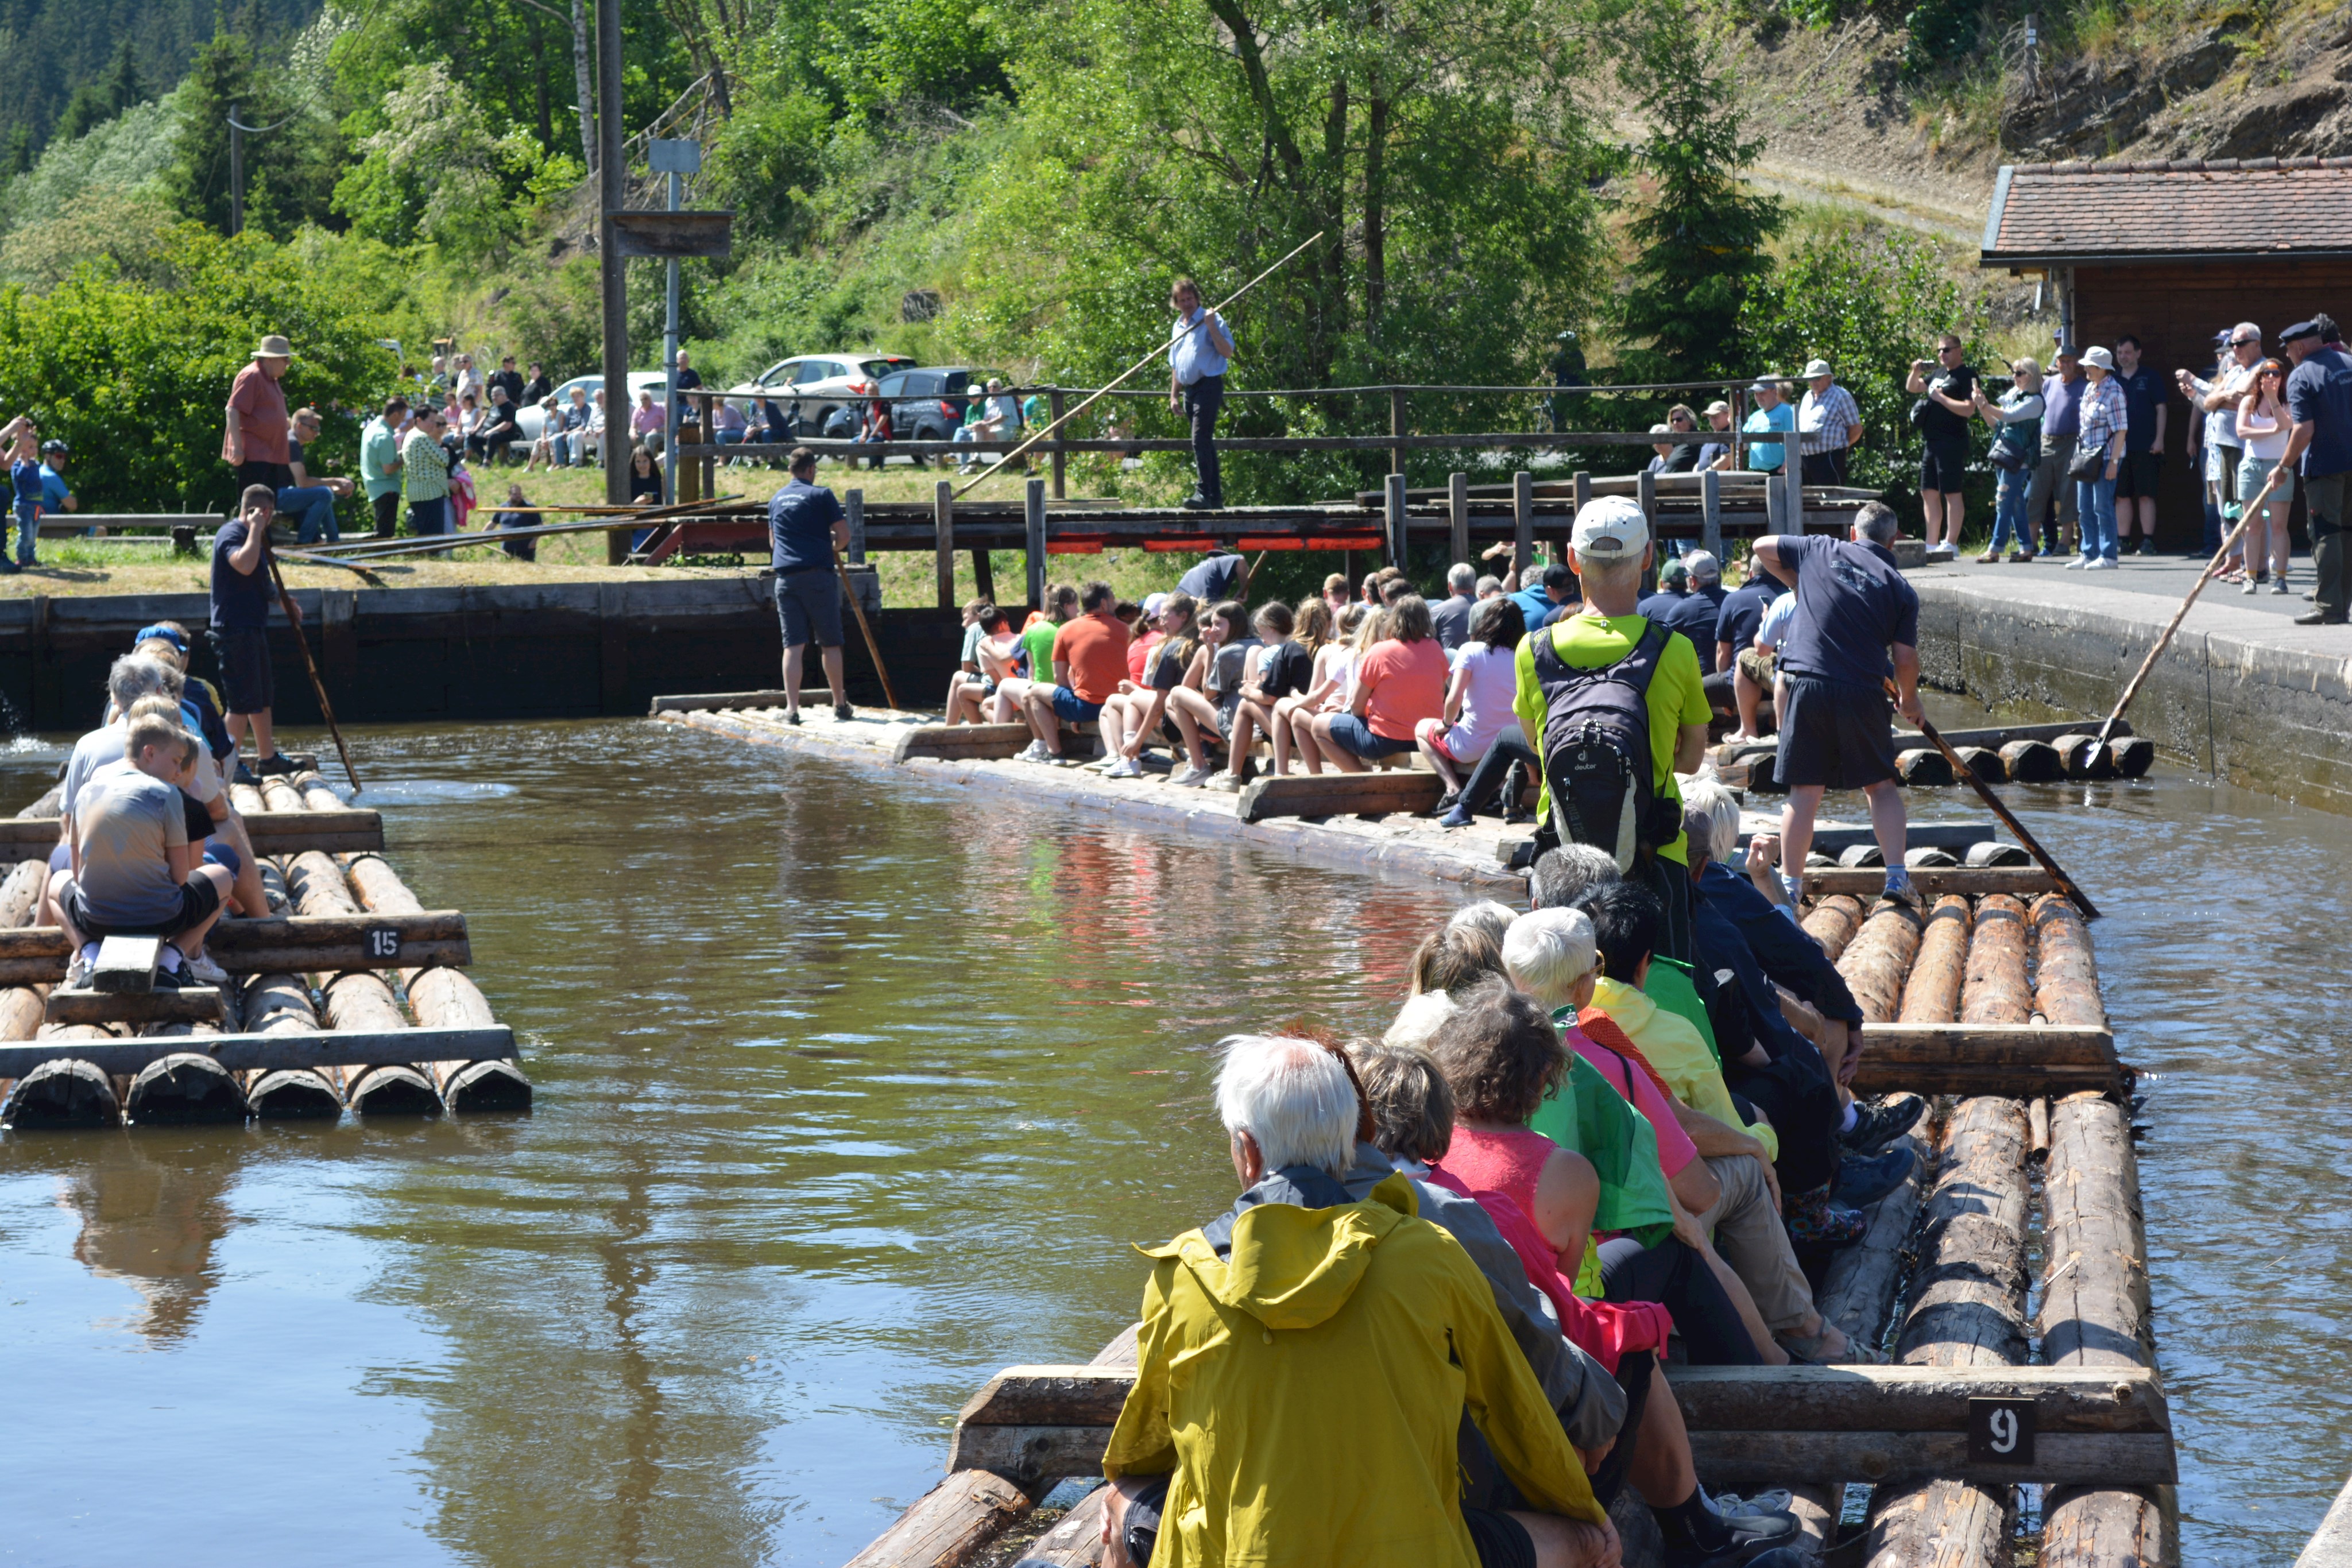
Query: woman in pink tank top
point(1500, 1055)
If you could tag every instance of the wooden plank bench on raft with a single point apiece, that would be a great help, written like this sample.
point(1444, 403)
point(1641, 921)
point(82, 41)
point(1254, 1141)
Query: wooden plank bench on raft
point(349, 831)
point(292, 944)
point(283, 1051)
point(2089, 1426)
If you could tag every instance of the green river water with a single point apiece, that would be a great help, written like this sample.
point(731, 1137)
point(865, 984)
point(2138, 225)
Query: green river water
point(852, 1089)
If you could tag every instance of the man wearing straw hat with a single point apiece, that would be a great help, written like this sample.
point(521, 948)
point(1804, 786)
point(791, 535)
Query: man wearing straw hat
point(255, 445)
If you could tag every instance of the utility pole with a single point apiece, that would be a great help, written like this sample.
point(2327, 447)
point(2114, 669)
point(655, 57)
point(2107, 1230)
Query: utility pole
point(235, 173)
point(612, 187)
point(677, 158)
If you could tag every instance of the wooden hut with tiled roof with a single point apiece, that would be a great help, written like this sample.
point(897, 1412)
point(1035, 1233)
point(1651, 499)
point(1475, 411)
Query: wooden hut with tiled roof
point(2172, 252)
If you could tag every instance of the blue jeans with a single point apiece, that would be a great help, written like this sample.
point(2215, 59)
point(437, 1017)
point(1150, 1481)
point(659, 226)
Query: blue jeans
point(2096, 500)
point(29, 533)
point(312, 507)
point(2008, 519)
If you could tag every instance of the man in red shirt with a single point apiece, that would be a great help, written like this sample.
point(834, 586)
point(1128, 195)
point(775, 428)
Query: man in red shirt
point(1089, 661)
point(255, 445)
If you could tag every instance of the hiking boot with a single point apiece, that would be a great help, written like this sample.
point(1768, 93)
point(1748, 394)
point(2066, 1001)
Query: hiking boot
point(275, 764)
point(1864, 1179)
point(1814, 1221)
point(843, 712)
point(243, 775)
point(1877, 1122)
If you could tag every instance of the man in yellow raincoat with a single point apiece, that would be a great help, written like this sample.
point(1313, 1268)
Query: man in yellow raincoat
point(1305, 1364)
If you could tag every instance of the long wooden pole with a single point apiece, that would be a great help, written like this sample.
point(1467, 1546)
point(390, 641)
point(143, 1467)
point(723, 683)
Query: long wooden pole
point(286, 603)
point(872, 647)
point(1125, 375)
point(1968, 775)
point(2164, 640)
point(430, 544)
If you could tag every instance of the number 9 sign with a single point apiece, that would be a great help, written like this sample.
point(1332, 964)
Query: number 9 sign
point(2000, 1431)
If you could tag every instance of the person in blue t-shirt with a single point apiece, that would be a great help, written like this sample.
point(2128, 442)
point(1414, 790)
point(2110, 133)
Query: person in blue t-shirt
point(807, 526)
point(1856, 618)
point(2319, 399)
point(56, 495)
point(1771, 413)
point(241, 595)
point(25, 484)
point(1550, 594)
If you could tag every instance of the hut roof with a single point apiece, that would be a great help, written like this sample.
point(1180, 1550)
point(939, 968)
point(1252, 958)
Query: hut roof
point(2221, 209)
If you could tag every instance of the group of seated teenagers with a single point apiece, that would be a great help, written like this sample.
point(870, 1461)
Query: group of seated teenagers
point(149, 843)
point(1632, 1158)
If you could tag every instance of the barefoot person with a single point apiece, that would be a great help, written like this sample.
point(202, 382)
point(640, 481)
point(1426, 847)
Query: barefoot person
point(1860, 623)
point(806, 525)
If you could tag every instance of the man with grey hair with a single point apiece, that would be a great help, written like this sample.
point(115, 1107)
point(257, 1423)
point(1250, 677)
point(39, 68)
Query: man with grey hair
point(1451, 615)
point(1829, 426)
point(2217, 397)
point(1563, 876)
point(1859, 623)
point(1374, 1333)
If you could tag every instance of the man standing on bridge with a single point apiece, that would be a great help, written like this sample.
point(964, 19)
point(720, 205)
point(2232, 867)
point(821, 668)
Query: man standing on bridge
point(1856, 617)
point(1200, 350)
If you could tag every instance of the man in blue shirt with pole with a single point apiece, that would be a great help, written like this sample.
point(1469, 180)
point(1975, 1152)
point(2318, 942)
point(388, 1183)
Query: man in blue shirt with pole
point(806, 526)
point(1197, 354)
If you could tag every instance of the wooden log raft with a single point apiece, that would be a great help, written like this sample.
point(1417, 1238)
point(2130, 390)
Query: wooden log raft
point(1986, 1059)
point(2083, 756)
point(1968, 1310)
point(64, 1092)
point(1876, 961)
point(1931, 993)
point(2066, 973)
point(1995, 990)
point(344, 828)
point(1833, 922)
point(1973, 881)
point(184, 1089)
point(2032, 762)
point(278, 1005)
point(2095, 1318)
point(59, 1097)
point(1923, 765)
point(1984, 761)
point(357, 1000)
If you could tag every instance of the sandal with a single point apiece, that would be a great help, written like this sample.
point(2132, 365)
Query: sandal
point(1988, 558)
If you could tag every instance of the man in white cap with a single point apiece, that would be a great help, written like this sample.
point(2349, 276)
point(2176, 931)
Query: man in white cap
point(1829, 426)
point(1857, 621)
point(1612, 701)
point(255, 445)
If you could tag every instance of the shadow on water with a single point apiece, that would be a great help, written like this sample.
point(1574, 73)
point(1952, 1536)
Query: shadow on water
point(853, 1090)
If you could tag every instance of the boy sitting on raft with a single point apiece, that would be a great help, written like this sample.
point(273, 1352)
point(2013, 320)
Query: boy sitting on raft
point(134, 871)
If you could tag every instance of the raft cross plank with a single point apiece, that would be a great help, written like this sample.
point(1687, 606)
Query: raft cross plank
point(266, 1053)
point(346, 832)
point(188, 1004)
point(127, 965)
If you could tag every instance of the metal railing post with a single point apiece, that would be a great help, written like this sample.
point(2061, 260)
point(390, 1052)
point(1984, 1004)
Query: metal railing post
point(1711, 513)
point(1061, 458)
point(1034, 516)
point(1394, 511)
point(943, 539)
point(1523, 521)
point(1457, 517)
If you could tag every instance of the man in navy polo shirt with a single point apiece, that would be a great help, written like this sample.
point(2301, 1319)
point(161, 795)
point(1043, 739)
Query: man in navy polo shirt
point(2319, 398)
point(806, 526)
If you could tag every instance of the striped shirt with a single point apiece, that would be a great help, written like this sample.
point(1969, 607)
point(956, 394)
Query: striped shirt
point(2102, 412)
point(1826, 420)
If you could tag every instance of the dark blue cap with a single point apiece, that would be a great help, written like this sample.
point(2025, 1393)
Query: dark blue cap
point(2300, 330)
point(161, 634)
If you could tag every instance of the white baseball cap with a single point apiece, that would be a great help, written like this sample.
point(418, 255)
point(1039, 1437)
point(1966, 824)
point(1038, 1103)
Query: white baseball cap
point(1612, 529)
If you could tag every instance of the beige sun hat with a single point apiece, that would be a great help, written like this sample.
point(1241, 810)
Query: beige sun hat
point(273, 347)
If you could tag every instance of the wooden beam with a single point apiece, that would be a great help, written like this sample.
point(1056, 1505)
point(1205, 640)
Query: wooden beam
point(985, 741)
point(346, 831)
point(127, 965)
point(267, 1053)
point(1336, 794)
point(1089, 1396)
point(305, 944)
point(2071, 1459)
point(189, 1004)
point(948, 1525)
point(1913, 1399)
point(1867, 881)
point(943, 540)
point(1992, 1044)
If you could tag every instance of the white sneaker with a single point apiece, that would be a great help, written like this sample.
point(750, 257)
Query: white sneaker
point(1037, 753)
point(1228, 782)
point(78, 969)
point(2077, 564)
point(203, 968)
point(1124, 768)
point(2102, 564)
point(2250, 587)
point(1191, 779)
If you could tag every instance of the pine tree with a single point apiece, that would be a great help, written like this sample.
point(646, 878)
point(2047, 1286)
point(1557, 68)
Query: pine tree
point(1703, 236)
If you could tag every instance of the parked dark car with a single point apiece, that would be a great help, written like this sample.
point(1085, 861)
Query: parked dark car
point(927, 403)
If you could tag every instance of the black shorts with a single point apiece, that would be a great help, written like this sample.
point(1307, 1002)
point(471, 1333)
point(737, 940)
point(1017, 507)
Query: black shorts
point(198, 899)
point(1500, 1540)
point(199, 819)
point(808, 604)
point(2136, 476)
point(246, 684)
point(1633, 1377)
point(1834, 734)
point(1943, 466)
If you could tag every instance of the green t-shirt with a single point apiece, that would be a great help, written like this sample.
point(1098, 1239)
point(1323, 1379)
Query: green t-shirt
point(1587, 1114)
point(1669, 984)
point(1039, 641)
point(1587, 642)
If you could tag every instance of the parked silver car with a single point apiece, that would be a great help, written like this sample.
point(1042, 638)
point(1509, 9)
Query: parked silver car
point(808, 388)
point(529, 420)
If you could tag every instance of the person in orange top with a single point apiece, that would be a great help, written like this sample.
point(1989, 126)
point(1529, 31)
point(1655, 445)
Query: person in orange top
point(1400, 681)
point(1089, 662)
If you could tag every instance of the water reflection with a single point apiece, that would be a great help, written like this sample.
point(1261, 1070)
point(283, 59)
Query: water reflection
point(852, 1092)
